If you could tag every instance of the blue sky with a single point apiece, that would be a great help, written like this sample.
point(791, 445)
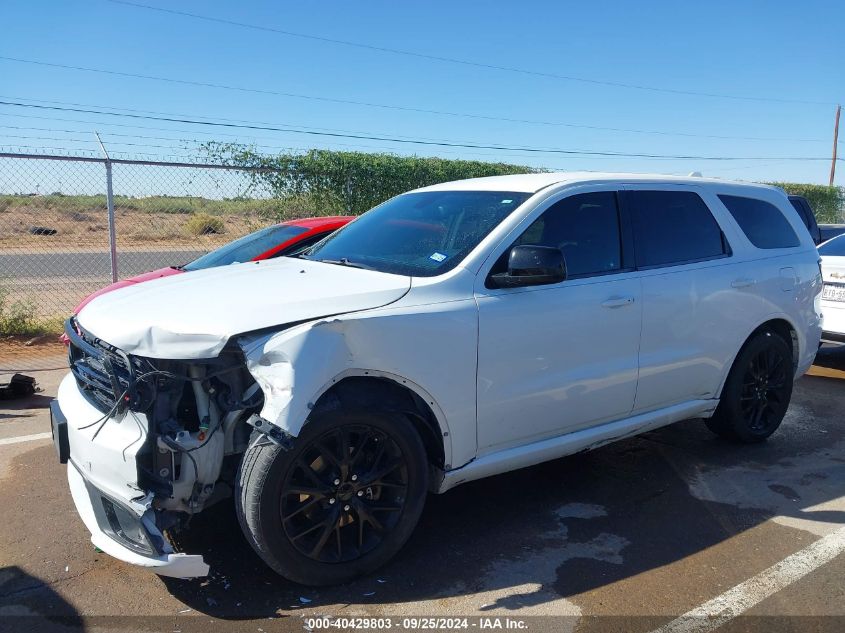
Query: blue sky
point(779, 50)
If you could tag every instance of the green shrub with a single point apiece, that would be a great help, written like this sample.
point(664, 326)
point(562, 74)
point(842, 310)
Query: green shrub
point(17, 317)
point(827, 202)
point(350, 182)
point(204, 224)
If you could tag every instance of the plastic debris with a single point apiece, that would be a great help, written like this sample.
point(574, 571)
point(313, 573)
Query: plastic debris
point(304, 600)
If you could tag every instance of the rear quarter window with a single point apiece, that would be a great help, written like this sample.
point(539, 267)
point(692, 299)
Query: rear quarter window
point(674, 227)
point(762, 222)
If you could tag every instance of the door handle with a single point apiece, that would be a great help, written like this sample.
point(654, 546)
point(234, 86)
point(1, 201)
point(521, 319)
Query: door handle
point(744, 282)
point(617, 302)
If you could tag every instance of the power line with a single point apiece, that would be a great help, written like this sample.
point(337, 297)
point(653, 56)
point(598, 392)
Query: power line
point(211, 119)
point(466, 62)
point(535, 150)
point(108, 136)
point(213, 134)
point(369, 104)
point(207, 118)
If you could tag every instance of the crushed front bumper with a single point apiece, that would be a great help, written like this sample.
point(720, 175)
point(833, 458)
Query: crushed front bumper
point(102, 475)
point(115, 543)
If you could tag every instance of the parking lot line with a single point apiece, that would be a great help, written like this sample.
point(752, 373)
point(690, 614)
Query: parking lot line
point(736, 601)
point(25, 438)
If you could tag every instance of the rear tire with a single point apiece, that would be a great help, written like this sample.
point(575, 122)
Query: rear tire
point(757, 391)
point(340, 503)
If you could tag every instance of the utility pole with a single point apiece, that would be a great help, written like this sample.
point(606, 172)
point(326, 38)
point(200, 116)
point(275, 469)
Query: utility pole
point(835, 143)
point(110, 208)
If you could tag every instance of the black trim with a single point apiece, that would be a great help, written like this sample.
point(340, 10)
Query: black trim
point(110, 525)
point(833, 337)
point(58, 427)
point(104, 374)
point(626, 231)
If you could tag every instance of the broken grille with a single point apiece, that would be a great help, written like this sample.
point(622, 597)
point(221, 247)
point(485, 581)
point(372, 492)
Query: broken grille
point(104, 374)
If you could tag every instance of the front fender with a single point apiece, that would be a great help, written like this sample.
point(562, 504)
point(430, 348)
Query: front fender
point(409, 346)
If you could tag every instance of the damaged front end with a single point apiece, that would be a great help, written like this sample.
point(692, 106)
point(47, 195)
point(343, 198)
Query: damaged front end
point(151, 443)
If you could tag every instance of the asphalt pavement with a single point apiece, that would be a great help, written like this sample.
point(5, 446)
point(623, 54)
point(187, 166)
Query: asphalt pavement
point(675, 530)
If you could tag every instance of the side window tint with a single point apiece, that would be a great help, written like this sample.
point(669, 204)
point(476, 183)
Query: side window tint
point(586, 228)
point(674, 227)
point(762, 222)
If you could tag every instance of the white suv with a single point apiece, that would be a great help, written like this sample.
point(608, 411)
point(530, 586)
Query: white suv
point(454, 332)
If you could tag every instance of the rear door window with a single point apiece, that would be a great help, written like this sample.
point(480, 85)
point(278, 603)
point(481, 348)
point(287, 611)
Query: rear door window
point(674, 227)
point(762, 222)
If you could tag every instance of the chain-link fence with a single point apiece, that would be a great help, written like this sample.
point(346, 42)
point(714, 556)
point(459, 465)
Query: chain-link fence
point(71, 225)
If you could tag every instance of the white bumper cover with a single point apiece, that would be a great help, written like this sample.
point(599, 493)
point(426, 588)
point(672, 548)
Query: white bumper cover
point(174, 565)
point(108, 461)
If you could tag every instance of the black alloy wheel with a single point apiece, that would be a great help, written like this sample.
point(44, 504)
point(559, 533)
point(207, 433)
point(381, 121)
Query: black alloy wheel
point(338, 504)
point(757, 392)
point(344, 494)
point(762, 396)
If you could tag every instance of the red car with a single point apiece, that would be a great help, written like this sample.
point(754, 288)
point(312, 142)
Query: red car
point(280, 239)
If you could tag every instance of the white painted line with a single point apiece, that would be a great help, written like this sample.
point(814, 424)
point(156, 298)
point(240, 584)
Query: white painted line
point(25, 438)
point(721, 609)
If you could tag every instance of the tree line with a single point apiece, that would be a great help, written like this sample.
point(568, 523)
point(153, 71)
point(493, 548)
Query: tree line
point(353, 182)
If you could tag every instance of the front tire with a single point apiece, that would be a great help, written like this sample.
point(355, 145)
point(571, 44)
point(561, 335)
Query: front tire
point(757, 391)
point(340, 503)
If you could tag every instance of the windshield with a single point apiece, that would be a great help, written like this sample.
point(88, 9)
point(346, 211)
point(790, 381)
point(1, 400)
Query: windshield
point(246, 248)
point(834, 247)
point(419, 234)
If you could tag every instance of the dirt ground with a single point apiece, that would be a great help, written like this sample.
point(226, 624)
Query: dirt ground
point(88, 231)
point(16, 348)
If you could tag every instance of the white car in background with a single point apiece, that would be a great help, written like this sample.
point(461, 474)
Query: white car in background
point(452, 333)
point(833, 293)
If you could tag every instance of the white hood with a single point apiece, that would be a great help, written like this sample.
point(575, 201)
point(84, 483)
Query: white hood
point(193, 315)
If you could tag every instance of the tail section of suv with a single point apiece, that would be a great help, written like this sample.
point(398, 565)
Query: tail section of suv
point(451, 333)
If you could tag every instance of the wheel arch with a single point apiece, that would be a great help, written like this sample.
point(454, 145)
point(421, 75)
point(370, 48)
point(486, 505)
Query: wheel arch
point(370, 389)
point(779, 325)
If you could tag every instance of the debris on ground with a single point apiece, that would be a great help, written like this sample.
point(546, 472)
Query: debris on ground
point(42, 230)
point(304, 600)
point(19, 386)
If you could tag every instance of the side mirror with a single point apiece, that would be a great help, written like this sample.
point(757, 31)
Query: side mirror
point(532, 266)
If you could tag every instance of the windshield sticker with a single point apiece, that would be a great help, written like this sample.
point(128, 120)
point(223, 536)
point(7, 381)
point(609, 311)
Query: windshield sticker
point(438, 257)
point(507, 201)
